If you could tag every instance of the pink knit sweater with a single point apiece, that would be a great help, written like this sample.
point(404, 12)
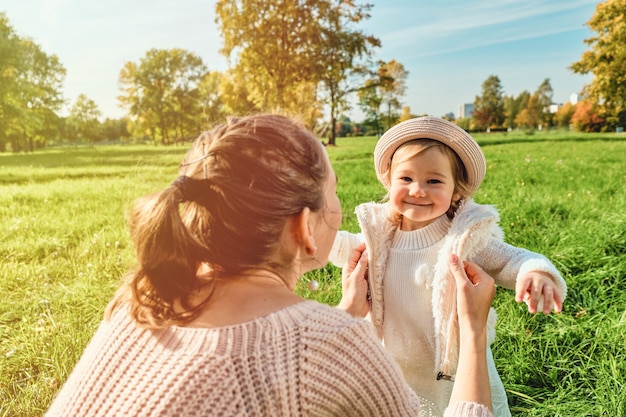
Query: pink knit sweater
point(305, 360)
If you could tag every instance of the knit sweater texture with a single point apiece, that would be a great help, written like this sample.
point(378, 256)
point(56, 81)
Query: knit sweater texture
point(304, 360)
point(413, 293)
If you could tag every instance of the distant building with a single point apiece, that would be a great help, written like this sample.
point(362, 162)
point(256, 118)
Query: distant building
point(574, 98)
point(553, 108)
point(466, 110)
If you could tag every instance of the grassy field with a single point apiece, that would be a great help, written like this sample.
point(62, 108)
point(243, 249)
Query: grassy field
point(64, 246)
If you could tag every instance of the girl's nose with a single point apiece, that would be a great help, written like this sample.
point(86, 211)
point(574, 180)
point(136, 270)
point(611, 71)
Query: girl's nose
point(416, 189)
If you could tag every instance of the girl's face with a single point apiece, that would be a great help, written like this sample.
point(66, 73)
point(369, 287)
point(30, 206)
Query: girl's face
point(422, 188)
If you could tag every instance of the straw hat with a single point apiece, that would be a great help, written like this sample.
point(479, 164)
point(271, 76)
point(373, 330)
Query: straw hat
point(431, 128)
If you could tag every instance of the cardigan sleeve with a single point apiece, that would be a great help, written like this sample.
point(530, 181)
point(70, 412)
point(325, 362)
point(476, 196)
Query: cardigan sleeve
point(344, 244)
point(506, 263)
point(347, 372)
point(467, 409)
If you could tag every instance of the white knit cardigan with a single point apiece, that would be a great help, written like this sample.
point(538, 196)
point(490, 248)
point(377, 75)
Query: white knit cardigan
point(474, 235)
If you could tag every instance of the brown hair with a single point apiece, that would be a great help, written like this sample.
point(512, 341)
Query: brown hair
point(413, 148)
point(248, 176)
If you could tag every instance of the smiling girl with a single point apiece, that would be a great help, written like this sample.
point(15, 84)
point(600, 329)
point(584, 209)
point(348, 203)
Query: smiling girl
point(431, 168)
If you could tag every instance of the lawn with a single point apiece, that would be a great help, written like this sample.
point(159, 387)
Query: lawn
point(64, 247)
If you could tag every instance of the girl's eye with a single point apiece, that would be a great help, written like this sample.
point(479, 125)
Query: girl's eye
point(434, 182)
point(406, 179)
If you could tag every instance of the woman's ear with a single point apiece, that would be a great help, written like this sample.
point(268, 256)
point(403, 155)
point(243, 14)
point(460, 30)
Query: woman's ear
point(303, 234)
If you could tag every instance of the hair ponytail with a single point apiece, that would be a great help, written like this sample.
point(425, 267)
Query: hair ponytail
point(168, 257)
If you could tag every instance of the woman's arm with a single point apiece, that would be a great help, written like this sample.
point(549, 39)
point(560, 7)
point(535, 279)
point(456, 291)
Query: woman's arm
point(475, 292)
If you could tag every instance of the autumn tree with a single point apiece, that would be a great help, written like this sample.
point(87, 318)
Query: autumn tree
point(342, 54)
point(563, 116)
point(393, 88)
point(606, 60)
point(513, 106)
point(489, 106)
point(269, 43)
point(530, 115)
point(234, 94)
point(295, 56)
point(162, 94)
point(384, 88)
point(588, 116)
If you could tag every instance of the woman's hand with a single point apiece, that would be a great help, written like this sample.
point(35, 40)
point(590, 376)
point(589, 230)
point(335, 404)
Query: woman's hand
point(475, 292)
point(354, 284)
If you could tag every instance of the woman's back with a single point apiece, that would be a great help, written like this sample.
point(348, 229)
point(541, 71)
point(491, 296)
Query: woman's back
point(304, 360)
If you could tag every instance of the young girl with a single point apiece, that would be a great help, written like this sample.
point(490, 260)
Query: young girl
point(431, 168)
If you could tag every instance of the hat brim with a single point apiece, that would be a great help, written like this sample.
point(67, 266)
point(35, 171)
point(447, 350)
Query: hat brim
point(428, 127)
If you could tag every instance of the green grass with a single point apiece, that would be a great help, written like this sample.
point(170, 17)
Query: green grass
point(64, 246)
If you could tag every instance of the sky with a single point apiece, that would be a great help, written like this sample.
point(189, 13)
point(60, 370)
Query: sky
point(449, 47)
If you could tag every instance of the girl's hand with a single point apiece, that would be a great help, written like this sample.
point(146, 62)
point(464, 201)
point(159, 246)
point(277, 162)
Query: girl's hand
point(539, 292)
point(354, 284)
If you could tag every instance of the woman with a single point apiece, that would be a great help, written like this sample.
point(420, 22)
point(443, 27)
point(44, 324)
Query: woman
point(208, 323)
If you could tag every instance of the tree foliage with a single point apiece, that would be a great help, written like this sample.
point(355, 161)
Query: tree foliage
point(30, 91)
point(269, 42)
point(588, 117)
point(294, 56)
point(83, 121)
point(162, 93)
point(341, 54)
point(489, 106)
point(563, 116)
point(606, 58)
point(385, 87)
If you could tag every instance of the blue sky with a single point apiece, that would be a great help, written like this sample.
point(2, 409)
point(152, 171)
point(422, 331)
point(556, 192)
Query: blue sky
point(449, 47)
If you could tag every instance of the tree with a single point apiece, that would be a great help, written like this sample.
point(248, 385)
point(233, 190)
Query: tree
point(30, 84)
point(606, 59)
point(370, 101)
point(84, 120)
point(544, 100)
point(563, 116)
point(337, 54)
point(114, 129)
point(272, 40)
point(162, 94)
point(406, 114)
point(513, 106)
point(529, 116)
point(287, 51)
point(234, 94)
point(489, 106)
point(588, 116)
point(383, 88)
point(393, 86)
